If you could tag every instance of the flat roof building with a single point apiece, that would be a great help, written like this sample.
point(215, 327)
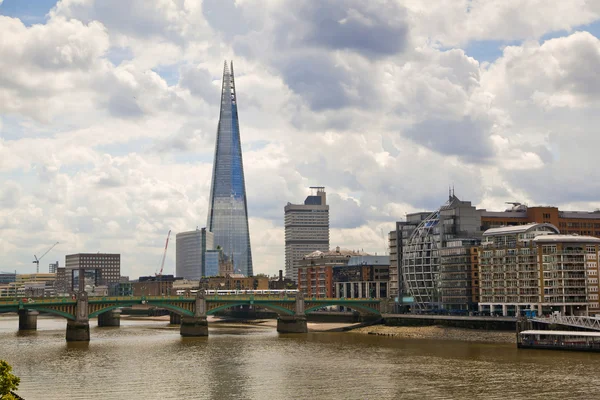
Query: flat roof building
point(533, 267)
point(100, 269)
point(190, 253)
point(306, 230)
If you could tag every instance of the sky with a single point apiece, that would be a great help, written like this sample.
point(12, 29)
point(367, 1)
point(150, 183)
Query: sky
point(109, 112)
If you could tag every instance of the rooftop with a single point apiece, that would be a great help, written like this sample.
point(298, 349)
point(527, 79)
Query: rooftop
point(335, 252)
point(566, 238)
point(513, 230)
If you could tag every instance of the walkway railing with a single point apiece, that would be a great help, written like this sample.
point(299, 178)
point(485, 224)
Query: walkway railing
point(571, 320)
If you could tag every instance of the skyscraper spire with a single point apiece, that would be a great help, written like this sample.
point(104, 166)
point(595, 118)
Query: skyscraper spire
point(227, 209)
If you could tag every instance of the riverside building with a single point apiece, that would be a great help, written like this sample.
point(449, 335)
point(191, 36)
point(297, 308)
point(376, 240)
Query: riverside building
point(227, 208)
point(398, 239)
point(315, 272)
point(365, 276)
point(306, 230)
point(533, 267)
point(459, 275)
point(569, 222)
point(421, 253)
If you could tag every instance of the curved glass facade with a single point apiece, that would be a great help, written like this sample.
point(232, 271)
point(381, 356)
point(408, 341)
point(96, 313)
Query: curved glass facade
point(227, 211)
point(421, 254)
point(420, 263)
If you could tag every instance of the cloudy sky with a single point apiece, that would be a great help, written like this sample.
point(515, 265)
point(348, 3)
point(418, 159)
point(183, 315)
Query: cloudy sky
point(109, 109)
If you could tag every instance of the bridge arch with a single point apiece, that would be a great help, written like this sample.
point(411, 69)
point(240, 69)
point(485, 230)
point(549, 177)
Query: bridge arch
point(273, 307)
point(52, 311)
point(170, 307)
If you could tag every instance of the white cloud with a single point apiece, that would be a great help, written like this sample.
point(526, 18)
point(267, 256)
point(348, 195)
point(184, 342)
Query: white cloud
point(108, 118)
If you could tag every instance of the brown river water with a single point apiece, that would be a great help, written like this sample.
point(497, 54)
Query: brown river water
point(149, 360)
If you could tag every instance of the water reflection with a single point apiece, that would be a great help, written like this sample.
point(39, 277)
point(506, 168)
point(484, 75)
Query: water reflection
point(148, 360)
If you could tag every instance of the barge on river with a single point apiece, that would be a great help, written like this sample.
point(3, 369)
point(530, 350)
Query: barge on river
point(559, 340)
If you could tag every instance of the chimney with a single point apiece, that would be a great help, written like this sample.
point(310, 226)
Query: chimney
point(280, 276)
point(337, 249)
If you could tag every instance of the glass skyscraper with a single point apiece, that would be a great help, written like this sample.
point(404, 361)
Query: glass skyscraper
point(227, 209)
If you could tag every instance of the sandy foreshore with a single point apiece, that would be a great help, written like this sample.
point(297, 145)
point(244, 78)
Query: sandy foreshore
point(438, 333)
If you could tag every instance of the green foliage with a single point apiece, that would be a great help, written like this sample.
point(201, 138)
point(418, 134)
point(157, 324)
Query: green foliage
point(8, 381)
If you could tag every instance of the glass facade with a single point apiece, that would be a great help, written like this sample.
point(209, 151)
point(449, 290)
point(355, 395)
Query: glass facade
point(211, 265)
point(190, 252)
point(227, 210)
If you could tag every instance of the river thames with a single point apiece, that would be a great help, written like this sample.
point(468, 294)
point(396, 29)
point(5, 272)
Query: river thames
point(149, 360)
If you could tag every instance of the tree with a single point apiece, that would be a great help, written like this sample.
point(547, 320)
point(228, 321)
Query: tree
point(8, 381)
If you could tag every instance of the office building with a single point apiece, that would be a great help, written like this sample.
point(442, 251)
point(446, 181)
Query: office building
point(364, 276)
point(227, 208)
point(397, 240)
point(52, 267)
point(190, 253)
point(306, 230)
point(421, 257)
point(211, 262)
point(533, 267)
point(99, 269)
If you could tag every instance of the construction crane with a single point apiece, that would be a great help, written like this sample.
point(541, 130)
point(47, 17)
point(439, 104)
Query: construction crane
point(37, 260)
point(162, 264)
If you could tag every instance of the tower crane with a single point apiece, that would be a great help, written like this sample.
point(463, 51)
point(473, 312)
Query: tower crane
point(162, 264)
point(37, 260)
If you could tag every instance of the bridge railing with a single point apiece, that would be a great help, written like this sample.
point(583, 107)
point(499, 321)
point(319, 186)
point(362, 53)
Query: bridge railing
point(571, 320)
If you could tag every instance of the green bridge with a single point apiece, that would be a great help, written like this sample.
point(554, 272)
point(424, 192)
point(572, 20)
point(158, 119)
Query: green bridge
point(191, 311)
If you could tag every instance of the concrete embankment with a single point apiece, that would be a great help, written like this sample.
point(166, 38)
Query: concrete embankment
point(483, 323)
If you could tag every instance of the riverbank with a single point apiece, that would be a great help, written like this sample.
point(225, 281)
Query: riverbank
point(438, 333)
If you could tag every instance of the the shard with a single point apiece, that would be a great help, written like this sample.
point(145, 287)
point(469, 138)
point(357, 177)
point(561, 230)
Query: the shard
point(227, 209)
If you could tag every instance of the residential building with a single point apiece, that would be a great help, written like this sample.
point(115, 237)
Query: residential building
point(99, 269)
point(227, 208)
point(365, 276)
point(421, 258)
point(306, 229)
point(315, 272)
point(533, 267)
point(569, 222)
point(459, 275)
point(397, 240)
point(190, 253)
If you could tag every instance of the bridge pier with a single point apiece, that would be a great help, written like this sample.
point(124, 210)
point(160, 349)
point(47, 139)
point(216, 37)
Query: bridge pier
point(28, 320)
point(174, 319)
point(292, 324)
point(78, 330)
point(193, 326)
point(110, 318)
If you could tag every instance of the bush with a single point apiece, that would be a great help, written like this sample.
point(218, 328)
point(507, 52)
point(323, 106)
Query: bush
point(8, 381)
